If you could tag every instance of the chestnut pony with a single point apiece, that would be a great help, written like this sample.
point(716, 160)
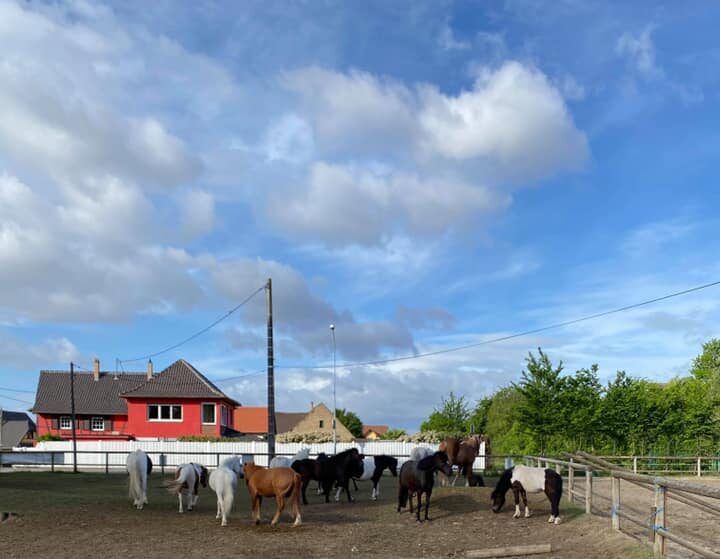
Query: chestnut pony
point(280, 483)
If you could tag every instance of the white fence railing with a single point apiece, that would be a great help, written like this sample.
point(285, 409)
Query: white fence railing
point(112, 454)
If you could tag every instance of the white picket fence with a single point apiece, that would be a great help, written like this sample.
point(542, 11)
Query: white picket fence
point(112, 454)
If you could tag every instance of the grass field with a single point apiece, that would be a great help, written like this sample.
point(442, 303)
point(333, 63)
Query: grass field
point(90, 515)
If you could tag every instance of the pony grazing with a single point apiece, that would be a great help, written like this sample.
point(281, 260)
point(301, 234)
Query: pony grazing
point(526, 479)
point(462, 454)
point(373, 468)
point(139, 467)
point(188, 478)
point(285, 462)
point(224, 482)
point(273, 482)
point(418, 478)
point(340, 469)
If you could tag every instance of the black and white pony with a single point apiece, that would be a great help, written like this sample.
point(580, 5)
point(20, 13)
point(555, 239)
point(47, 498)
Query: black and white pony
point(188, 479)
point(224, 482)
point(373, 468)
point(527, 479)
point(139, 467)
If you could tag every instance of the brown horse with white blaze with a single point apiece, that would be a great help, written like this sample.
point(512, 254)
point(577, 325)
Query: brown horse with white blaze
point(462, 453)
point(280, 483)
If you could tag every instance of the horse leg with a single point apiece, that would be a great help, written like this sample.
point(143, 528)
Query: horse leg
point(402, 497)
point(554, 498)
point(337, 494)
point(427, 503)
point(180, 503)
point(354, 483)
point(419, 506)
point(456, 476)
point(279, 506)
point(524, 498)
point(305, 483)
point(516, 496)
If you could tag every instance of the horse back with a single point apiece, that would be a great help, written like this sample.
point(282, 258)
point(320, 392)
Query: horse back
point(532, 479)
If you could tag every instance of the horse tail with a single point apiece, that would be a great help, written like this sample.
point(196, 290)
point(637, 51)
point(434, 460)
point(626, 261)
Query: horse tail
point(296, 496)
point(175, 485)
point(137, 477)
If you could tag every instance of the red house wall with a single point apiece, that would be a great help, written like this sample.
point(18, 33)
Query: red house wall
point(191, 424)
point(118, 428)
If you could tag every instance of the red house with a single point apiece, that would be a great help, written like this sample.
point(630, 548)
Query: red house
point(177, 401)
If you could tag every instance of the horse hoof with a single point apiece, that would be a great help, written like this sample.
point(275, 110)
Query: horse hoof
point(223, 523)
point(557, 520)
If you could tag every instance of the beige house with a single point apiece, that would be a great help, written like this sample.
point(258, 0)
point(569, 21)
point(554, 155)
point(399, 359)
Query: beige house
point(319, 420)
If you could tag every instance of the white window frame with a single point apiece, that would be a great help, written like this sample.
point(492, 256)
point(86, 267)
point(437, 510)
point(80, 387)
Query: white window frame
point(159, 418)
point(68, 423)
point(95, 421)
point(202, 413)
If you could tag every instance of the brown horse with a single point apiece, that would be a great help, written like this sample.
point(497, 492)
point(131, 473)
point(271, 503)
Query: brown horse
point(462, 453)
point(274, 482)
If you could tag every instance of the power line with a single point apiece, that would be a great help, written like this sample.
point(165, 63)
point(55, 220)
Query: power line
point(17, 390)
point(15, 399)
point(196, 334)
point(239, 377)
point(510, 336)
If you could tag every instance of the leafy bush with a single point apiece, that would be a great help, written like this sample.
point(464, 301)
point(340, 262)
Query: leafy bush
point(205, 439)
point(49, 437)
point(310, 437)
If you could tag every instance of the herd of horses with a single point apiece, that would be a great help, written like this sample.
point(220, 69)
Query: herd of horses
point(287, 479)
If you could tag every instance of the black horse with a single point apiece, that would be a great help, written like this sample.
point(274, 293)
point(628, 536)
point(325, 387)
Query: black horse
point(418, 478)
point(308, 469)
point(524, 479)
point(339, 469)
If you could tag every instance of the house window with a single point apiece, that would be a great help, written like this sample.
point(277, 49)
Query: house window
point(164, 412)
point(223, 415)
point(97, 424)
point(65, 422)
point(208, 413)
point(322, 424)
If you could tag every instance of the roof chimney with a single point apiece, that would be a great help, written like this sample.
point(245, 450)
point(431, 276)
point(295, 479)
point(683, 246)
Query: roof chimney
point(150, 369)
point(312, 405)
point(96, 371)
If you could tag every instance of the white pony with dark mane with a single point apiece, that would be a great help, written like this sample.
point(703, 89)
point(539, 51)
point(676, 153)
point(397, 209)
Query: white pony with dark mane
point(139, 467)
point(188, 478)
point(224, 482)
point(285, 462)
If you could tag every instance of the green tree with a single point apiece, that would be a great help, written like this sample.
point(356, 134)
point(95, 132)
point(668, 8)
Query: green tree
point(351, 421)
point(707, 365)
point(393, 434)
point(503, 428)
point(581, 396)
point(477, 421)
point(540, 410)
point(450, 417)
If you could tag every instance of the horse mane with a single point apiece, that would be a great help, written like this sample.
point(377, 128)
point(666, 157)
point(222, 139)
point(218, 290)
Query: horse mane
point(301, 454)
point(503, 483)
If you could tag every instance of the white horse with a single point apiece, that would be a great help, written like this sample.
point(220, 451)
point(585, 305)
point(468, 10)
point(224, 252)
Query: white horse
point(224, 482)
point(285, 462)
point(139, 467)
point(188, 478)
point(420, 452)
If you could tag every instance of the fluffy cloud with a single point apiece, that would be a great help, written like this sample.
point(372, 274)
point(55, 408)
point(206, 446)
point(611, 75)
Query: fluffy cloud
point(640, 52)
point(349, 205)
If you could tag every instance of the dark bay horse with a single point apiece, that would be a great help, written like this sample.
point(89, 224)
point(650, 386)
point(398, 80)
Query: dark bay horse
point(418, 478)
point(523, 479)
point(309, 470)
point(339, 469)
point(280, 483)
point(462, 453)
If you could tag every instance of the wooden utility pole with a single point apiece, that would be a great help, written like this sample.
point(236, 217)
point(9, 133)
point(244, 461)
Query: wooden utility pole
point(72, 414)
point(272, 429)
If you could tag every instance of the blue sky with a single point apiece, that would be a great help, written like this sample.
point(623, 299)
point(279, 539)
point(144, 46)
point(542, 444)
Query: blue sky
point(422, 175)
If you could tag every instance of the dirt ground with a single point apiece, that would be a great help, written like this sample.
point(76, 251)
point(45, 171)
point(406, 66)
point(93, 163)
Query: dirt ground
point(89, 515)
point(688, 522)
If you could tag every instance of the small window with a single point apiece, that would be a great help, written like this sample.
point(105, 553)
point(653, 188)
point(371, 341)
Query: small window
point(163, 412)
point(322, 424)
point(97, 424)
point(65, 422)
point(223, 415)
point(208, 413)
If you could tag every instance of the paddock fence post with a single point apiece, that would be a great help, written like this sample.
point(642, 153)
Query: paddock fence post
point(52, 461)
point(571, 481)
point(659, 520)
point(107, 465)
point(615, 502)
point(699, 466)
point(588, 491)
point(634, 464)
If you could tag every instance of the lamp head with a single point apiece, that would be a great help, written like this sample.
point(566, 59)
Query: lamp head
point(332, 327)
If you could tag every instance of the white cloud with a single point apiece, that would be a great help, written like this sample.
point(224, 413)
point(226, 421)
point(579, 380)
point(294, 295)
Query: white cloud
point(198, 213)
point(349, 205)
point(447, 40)
point(20, 354)
point(513, 117)
point(640, 52)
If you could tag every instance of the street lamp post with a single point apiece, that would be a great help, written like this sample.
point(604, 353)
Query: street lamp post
point(334, 421)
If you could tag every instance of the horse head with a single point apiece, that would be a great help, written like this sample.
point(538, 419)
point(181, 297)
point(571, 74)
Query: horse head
point(437, 461)
point(497, 497)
